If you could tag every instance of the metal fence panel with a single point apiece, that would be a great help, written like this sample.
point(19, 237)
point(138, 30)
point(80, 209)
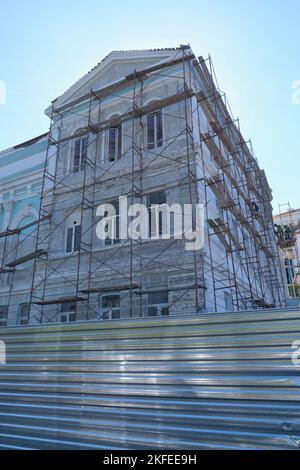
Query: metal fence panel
point(197, 382)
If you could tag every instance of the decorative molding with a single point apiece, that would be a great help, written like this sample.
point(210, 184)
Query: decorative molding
point(26, 211)
point(7, 207)
point(122, 57)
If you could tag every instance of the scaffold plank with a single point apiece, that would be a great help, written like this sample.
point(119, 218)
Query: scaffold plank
point(26, 258)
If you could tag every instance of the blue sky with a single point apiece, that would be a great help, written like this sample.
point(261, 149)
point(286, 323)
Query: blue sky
point(255, 46)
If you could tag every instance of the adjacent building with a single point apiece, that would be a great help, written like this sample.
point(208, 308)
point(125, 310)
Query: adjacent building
point(287, 228)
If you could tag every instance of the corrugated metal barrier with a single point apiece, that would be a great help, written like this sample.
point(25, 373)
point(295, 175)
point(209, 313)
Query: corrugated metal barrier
point(200, 382)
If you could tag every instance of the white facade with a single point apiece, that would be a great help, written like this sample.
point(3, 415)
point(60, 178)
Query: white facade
point(175, 161)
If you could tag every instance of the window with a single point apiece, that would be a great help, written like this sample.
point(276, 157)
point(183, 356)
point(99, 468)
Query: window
point(3, 315)
point(110, 307)
point(228, 302)
point(116, 231)
point(36, 187)
point(289, 269)
point(155, 216)
point(24, 314)
point(247, 243)
point(154, 130)
point(254, 206)
point(21, 191)
point(67, 312)
point(114, 143)
point(158, 304)
point(80, 154)
point(235, 229)
point(73, 238)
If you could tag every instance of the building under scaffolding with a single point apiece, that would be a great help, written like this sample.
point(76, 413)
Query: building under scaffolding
point(155, 127)
point(287, 228)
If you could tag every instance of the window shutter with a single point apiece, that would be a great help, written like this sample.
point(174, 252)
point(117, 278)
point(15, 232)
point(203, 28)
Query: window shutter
point(150, 131)
point(77, 156)
point(112, 144)
point(69, 240)
point(3, 315)
point(159, 130)
point(77, 237)
point(120, 141)
point(84, 147)
point(24, 314)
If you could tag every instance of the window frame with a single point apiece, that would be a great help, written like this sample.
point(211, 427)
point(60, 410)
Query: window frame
point(111, 310)
point(228, 301)
point(289, 270)
point(158, 233)
point(115, 241)
point(21, 314)
point(82, 155)
point(3, 318)
point(158, 128)
point(75, 238)
point(67, 313)
point(118, 144)
point(158, 305)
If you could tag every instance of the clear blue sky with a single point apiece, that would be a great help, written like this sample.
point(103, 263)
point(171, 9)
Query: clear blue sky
point(255, 46)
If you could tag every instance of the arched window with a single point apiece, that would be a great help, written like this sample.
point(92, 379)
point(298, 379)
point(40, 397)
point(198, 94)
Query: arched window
point(26, 222)
point(25, 217)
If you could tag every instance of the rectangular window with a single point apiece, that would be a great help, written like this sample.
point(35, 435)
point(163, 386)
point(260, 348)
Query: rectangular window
point(247, 244)
point(24, 314)
point(3, 315)
point(228, 302)
point(110, 307)
point(80, 154)
point(36, 187)
point(235, 229)
point(21, 191)
point(155, 217)
point(77, 236)
point(154, 130)
point(158, 304)
point(116, 221)
point(69, 240)
point(114, 143)
point(67, 312)
point(73, 239)
point(289, 269)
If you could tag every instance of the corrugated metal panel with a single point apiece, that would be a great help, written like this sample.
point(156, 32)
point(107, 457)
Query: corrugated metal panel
point(207, 381)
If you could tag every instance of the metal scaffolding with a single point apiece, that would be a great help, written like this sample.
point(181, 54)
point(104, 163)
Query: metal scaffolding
point(250, 204)
point(243, 225)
